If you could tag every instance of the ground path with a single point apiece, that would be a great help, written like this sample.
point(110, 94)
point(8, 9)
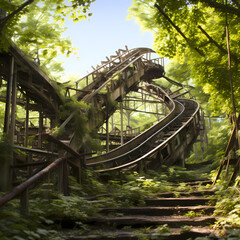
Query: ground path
point(181, 214)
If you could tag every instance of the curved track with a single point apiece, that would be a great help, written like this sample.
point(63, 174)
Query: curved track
point(166, 142)
point(161, 144)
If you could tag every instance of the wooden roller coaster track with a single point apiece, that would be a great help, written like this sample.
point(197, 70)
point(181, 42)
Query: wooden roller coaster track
point(167, 142)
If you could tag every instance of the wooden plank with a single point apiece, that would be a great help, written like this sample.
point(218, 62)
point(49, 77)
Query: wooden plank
point(64, 146)
point(37, 151)
point(23, 186)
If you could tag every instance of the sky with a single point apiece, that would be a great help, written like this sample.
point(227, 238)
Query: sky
point(106, 31)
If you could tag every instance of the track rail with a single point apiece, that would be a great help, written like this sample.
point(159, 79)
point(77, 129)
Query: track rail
point(164, 143)
point(154, 141)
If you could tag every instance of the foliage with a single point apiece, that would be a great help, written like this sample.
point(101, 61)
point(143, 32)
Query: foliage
point(181, 72)
point(6, 149)
point(45, 206)
point(38, 29)
point(206, 57)
point(218, 137)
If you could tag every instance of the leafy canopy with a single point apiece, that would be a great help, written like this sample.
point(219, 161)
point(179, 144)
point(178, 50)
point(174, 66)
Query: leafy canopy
point(194, 32)
point(38, 27)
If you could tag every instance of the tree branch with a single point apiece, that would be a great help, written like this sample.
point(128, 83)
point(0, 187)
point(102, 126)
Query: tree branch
point(224, 51)
point(178, 29)
point(219, 6)
point(11, 15)
point(213, 41)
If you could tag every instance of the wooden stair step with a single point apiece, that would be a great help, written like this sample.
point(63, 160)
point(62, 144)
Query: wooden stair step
point(158, 211)
point(194, 193)
point(184, 201)
point(137, 221)
point(173, 234)
point(200, 182)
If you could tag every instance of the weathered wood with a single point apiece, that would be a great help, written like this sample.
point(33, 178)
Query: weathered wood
point(23, 186)
point(184, 201)
point(8, 97)
point(158, 211)
point(13, 110)
point(26, 122)
point(24, 202)
point(37, 151)
point(40, 128)
point(173, 221)
point(121, 114)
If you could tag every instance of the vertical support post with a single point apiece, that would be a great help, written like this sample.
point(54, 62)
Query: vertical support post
point(157, 111)
point(13, 121)
point(8, 98)
point(112, 123)
point(29, 160)
point(52, 122)
point(40, 128)
point(13, 110)
point(63, 183)
point(24, 203)
point(107, 134)
point(121, 113)
point(128, 117)
point(26, 122)
point(182, 163)
point(196, 150)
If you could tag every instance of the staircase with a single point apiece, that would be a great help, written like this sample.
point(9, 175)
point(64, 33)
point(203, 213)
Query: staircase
point(178, 215)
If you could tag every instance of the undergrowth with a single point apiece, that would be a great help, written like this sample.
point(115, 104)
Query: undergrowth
point(47, 206)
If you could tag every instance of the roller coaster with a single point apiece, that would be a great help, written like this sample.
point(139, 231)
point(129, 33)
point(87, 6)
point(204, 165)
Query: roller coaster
point(167, 142)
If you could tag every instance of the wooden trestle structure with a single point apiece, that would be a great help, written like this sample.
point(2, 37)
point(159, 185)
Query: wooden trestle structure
point(105, 89)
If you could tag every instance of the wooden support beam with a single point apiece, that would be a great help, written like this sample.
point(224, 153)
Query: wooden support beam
point(8, 98)
point(107, 134)
point(24, 202)
point(23, 186)
point(121, 113)
point(13, 110)
point(26, 122)
point(40, 128)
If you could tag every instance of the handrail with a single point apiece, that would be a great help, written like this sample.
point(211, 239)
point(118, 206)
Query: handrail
point(65, 147)
point(23, 186)
point(110, 79)
point(112, 60)
point(32, 150)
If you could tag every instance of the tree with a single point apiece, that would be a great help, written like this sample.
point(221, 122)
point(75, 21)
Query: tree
point(195, 32)
point(36, 27)
point(17, 10)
